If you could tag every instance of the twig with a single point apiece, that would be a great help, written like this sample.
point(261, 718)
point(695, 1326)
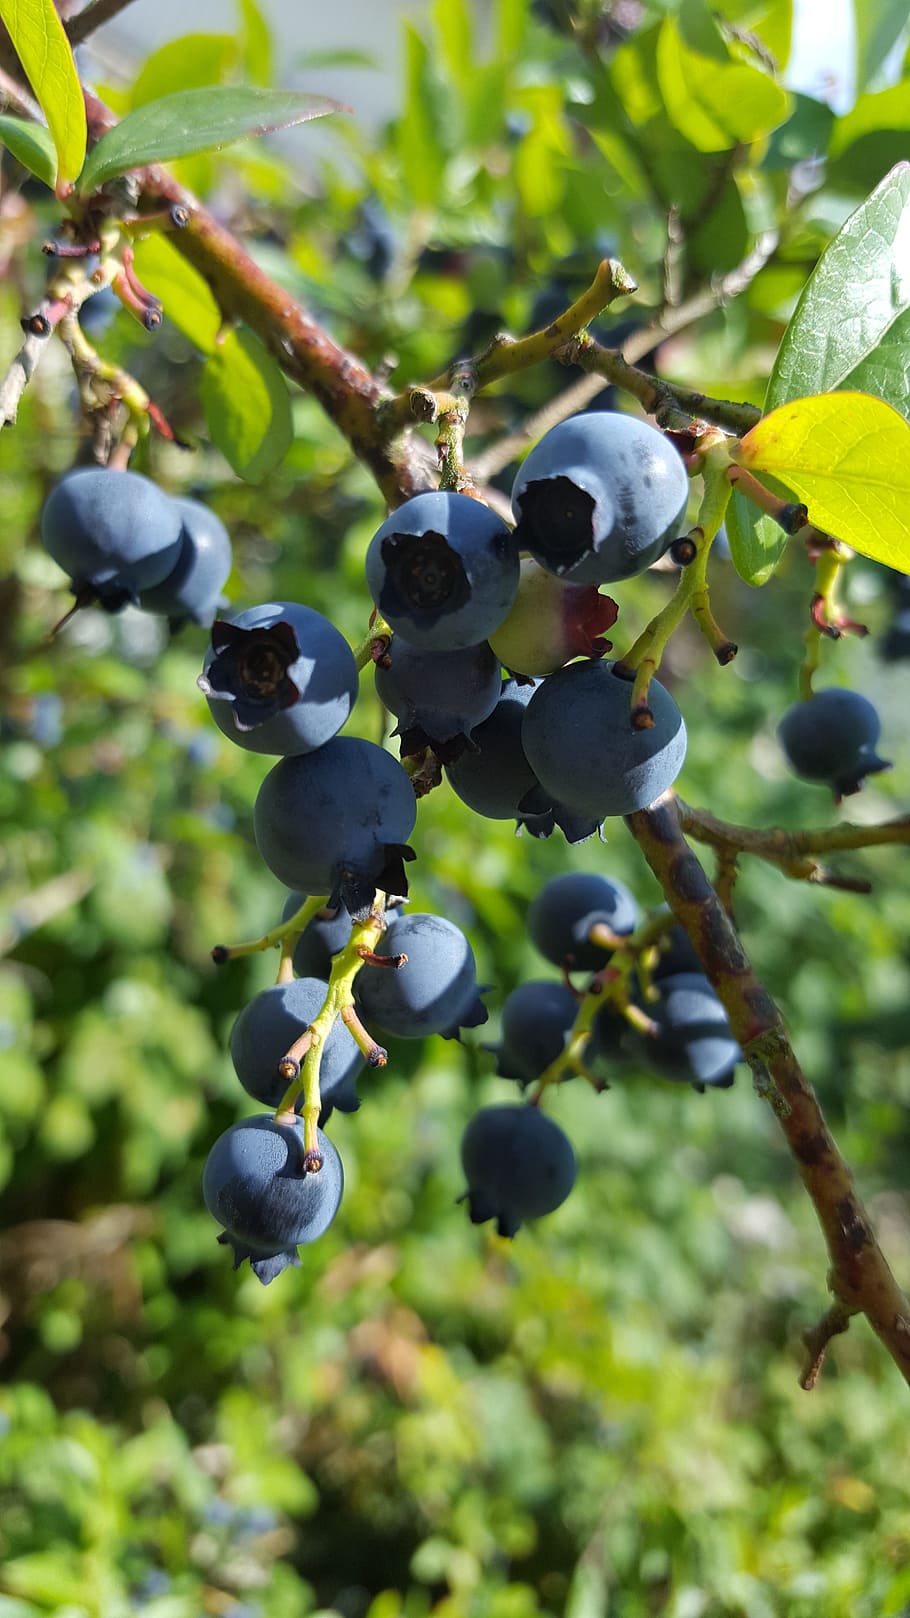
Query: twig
point(94, 16)
point(861, 1279)
point(609, 365)
point(792, 851)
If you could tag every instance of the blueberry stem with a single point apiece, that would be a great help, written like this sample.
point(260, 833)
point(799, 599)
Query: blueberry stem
point(826, 616)
point(338, 1001)
point(375, 644)
point(294, 925)
point(643, 659)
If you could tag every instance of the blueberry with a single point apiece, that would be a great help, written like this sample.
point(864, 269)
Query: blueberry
point(831, 737)
point(336, 821)
point(537, 1019)
point(600, 497)
point(695, 1044)
point(115, 534)
point(270, 1024)
point(192, 590)
point(578, 740)
point(443, 571)
point(493, 776)
point(279, 678)
point(677, 954)
point(434, 992)
point(518, 1165)
point(562, 915)
point(438, 697)
point(257, 1185)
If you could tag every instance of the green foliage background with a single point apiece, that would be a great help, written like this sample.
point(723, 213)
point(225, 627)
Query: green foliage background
point(603, 1417)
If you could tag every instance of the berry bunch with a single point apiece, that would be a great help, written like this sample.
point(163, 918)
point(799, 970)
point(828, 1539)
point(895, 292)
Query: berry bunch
point(122, 540)
point(551, 746)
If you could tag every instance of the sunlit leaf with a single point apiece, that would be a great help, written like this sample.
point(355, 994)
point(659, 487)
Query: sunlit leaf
point(32, 144)
point(201, 120)
point(247, 405)
point(714, 101)
point(849, 330)
point(847, 457)
point(185, 295)
point(44, 51)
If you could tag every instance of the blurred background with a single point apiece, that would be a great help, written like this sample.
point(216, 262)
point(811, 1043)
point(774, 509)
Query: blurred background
point(603, 1417)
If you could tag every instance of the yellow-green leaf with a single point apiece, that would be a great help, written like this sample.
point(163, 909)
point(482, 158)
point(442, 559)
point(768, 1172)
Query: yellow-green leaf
point(185, 295)
point(247, 405)
point(47, 60)
point(846, 456)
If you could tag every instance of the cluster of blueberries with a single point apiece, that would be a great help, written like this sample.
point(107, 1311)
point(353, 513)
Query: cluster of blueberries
point(460, 596)
point(123, 541)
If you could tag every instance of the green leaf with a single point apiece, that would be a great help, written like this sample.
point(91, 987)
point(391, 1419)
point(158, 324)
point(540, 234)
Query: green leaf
point(858, 289)
point(186, 63)
point(421, 152)
point(849, 330)
point(770, 21)
point(871, 139)
point(452, 25)
point(806, 133)
point(247, 406)
point(32, 144)
point(44, 51)
point(713, 101)
point(255, 44)
point(846, 456)
point(196, 121)
point(877, 26)
point(185, 295)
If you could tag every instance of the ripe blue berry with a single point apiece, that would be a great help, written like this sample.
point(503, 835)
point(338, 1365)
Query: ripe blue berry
point(114, 533)
point(537, 1018)
point(258, 1185)
point(600, 497)
point(695, 1045)
point(518, 1164)
point(831, 737)
point(578, 740)
point(438, 697)
point(443, 571)
point(493, 776)
point(193, 588)
point(434, 992)
point(270, 1024)
point(562, 915)
point(336, 821)
point(279, 678)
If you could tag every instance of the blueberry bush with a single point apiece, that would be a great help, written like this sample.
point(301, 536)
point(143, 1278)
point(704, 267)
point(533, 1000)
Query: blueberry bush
point(448, 1174)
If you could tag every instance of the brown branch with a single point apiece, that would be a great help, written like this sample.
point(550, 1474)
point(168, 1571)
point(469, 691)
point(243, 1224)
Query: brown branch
point(344, 386)
point(92, 17)
point(792, 851)
point(861, 1279)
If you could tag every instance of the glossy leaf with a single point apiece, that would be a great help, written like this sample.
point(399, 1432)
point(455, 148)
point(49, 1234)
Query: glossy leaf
point(849, 330)
point(858, 289)
point(714, 101)
point(847, 457)
point(247, 406)
point(201, 120)
point(44, 51)
point(32, 145)
point(185, 295)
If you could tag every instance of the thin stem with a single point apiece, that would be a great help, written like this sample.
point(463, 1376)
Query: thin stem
point(294, 924)
point(791, 851)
